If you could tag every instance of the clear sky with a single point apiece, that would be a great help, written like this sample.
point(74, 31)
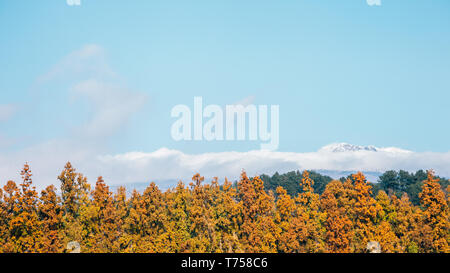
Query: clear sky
point(108, 72)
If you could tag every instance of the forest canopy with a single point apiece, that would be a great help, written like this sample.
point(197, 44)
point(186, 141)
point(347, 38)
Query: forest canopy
point(391, 182)
point(291, 213)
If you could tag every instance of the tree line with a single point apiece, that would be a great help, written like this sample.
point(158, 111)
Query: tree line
point(391, 182)
point(222, 218)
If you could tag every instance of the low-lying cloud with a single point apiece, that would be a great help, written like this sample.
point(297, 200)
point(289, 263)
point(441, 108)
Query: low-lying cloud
point(166, 164)
point(172, 164)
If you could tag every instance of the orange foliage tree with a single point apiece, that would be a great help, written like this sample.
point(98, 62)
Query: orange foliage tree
point(435, 221)
point(25, 225)
point(339, 233)
point(51, 215)
point(258, 230)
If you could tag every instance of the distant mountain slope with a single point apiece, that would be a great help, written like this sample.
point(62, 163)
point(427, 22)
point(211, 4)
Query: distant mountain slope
point(371, 176)
point(346, 147)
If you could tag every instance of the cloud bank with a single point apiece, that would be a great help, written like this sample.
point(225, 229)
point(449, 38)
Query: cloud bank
point(166, 164)
point(7, 111)
point(172, 164)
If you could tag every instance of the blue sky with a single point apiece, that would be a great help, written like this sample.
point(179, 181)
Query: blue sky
point(341, 71)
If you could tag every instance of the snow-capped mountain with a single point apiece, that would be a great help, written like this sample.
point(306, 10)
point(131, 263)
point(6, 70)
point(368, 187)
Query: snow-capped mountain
point(346, 147)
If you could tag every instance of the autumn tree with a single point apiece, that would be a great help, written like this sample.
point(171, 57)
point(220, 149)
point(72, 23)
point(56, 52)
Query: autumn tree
point(11, 194)
point(338, 226)
point(78, 214)
point(24, 226)
point(51, 214)
point(309, 212)
point(364, 211)
point(383, 232)
point(69, 190)
point(146, 220)
point(258, 231)
point(121, 213)
point(220, 218)
point(201, 216)
point(291, 227)
point(155, 218)
point(134, 224)
point(106, 230)
point(227, 217)
point(178, 224)
point(3, 222)
point(405, 224)
point(435, 219)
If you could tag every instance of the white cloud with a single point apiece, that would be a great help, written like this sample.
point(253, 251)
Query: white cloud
point(87, 76)
point(7, 111)
point(113, 106)
point(246, 101)
point(6, 141)
point(89, 60)
point(46, 160)
point(373, 2)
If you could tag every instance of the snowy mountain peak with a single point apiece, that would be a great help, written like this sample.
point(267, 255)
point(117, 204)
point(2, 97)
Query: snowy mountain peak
point(345, 147)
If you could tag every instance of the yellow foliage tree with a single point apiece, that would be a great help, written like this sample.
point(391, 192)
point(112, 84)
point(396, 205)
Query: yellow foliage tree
point(338, 225)
point(308, 206)
point(364, 210)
